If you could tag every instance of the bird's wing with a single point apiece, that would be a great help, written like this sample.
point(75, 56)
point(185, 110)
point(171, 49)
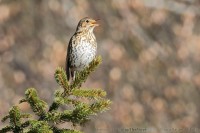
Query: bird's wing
point(67, 67)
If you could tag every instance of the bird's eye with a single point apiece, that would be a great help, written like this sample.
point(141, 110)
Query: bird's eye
point(87, 21)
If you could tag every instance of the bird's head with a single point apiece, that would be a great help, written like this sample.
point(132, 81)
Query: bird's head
point(87, 24)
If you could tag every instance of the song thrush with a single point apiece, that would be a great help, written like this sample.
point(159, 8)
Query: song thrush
point(82, 47)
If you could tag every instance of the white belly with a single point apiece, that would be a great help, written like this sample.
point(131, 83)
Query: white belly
point(83, 55)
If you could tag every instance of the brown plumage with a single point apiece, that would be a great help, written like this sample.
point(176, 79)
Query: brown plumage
point(82, 47)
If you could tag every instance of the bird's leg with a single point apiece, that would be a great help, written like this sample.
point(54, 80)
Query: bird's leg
point(73, 73)
point(74, 78)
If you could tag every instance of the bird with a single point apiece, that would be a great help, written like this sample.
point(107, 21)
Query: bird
point(82, 47)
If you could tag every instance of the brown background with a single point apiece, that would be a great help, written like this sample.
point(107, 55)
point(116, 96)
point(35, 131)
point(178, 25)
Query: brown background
point(150, 50)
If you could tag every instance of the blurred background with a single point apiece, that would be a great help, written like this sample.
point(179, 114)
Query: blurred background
point(150, 51)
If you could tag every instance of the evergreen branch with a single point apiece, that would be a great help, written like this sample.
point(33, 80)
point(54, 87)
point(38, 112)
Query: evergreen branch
point(56, 130)
point(61, 78)
point(59, 99)
point(22, 101)
point(5, 118)
point(6, 129)
point(15, 121)
point(53, 116)
point(15, 116)
point(82, 76)
point(71, 95)
point(82, 111)
point(38, 106)
point(100, 106)
point(79, 115)
point(25, 124)
point(25, 115)
point(64, 100)
point(54, 106)
point(39, 127)
point(91, 93)
point(74, 116)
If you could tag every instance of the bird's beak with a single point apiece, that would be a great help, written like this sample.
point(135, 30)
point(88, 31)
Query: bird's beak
point(94, 22)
